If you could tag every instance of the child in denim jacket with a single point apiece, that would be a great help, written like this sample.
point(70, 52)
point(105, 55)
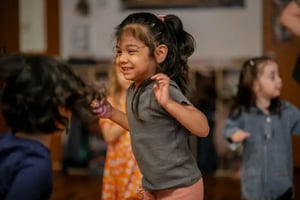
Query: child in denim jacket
point(263, 124)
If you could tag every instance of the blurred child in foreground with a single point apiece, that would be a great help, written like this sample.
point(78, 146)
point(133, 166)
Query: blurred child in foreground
point(38, 96)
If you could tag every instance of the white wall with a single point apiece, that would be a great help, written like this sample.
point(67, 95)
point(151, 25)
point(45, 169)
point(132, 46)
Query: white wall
point(219, 32)
point(32, 19)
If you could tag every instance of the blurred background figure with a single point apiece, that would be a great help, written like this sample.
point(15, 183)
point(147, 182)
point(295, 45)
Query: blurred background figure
point(263, 124)
point(122, 177)
point(290, 18)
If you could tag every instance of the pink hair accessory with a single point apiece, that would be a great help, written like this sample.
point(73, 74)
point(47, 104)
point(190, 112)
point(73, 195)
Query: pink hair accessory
point(161, 17)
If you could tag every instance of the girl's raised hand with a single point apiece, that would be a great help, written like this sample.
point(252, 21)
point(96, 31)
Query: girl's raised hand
point(161, 88)
point(101, 108)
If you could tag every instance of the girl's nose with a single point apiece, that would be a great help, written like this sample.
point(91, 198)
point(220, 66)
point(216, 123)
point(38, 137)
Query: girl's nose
point(123, 57)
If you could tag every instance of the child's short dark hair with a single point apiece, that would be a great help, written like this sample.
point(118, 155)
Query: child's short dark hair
point(34, 89)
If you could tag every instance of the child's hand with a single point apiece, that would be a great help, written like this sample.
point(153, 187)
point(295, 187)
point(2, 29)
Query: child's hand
point(161, 88)
point(239, 136)
point(101, 108)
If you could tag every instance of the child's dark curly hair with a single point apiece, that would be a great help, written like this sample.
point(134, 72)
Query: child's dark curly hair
point(35, 88)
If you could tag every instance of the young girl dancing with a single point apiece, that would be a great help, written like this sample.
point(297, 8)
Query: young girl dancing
point(153, 52)
point(263, 123)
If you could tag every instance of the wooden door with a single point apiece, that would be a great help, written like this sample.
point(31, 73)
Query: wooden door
point(285, 47)
point(9, 30)
point(9, 26)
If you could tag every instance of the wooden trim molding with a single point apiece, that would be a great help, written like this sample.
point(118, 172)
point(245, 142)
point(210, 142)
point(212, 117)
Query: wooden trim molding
point(53, 41)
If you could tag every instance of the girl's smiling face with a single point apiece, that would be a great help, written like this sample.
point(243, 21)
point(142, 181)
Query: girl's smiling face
point(134, 60)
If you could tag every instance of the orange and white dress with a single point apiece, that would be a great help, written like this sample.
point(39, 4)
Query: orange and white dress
point(122, 177)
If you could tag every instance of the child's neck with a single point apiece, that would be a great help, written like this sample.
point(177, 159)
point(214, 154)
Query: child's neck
point(45, 139)
point(263, 104)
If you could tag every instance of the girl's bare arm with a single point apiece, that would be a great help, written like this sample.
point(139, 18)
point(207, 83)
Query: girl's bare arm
point(103, 109)
point(189, 116)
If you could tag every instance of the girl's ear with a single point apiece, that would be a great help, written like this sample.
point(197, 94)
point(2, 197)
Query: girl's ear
point(161, 52)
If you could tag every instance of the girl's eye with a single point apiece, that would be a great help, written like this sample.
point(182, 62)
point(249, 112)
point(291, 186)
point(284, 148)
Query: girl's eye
point(128, 52)
point(132, 51)
point(117, 51)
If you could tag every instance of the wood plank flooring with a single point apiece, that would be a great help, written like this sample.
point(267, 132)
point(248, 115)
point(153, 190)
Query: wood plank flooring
point(88, 187)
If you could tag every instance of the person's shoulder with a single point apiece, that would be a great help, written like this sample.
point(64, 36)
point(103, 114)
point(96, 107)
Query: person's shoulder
point(7, 142)
point(174, 88)
point(36, 157)
point(22, 148)
point(8, 148)
point(286, 105)
point(173, 84)
point(19, 153)
point(5, 135)
point(237, 113)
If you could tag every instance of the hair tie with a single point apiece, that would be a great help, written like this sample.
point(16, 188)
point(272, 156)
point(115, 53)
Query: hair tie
point(252, 63)
point(161, 17)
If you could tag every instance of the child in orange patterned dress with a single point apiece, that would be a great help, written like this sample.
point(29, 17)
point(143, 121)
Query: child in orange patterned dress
point(122, 177)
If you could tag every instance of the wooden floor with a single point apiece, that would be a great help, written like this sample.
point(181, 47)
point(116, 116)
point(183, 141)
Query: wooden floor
point(88, 187)
point(76, 187)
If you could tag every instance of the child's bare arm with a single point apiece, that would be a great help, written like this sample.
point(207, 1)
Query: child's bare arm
point(189, 116)
point(103, 109)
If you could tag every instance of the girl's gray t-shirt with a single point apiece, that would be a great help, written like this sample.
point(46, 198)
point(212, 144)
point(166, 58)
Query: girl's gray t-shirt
point(160, 142)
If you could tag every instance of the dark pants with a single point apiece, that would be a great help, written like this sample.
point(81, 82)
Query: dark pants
point(288, 195)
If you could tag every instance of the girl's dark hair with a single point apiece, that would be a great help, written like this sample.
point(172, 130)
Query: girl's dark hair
point(167, 30)
point(153, 31)
point(246, 97)
point(36, 88)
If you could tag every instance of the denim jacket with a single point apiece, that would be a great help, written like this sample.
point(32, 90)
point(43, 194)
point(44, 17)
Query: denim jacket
point(267, 166)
